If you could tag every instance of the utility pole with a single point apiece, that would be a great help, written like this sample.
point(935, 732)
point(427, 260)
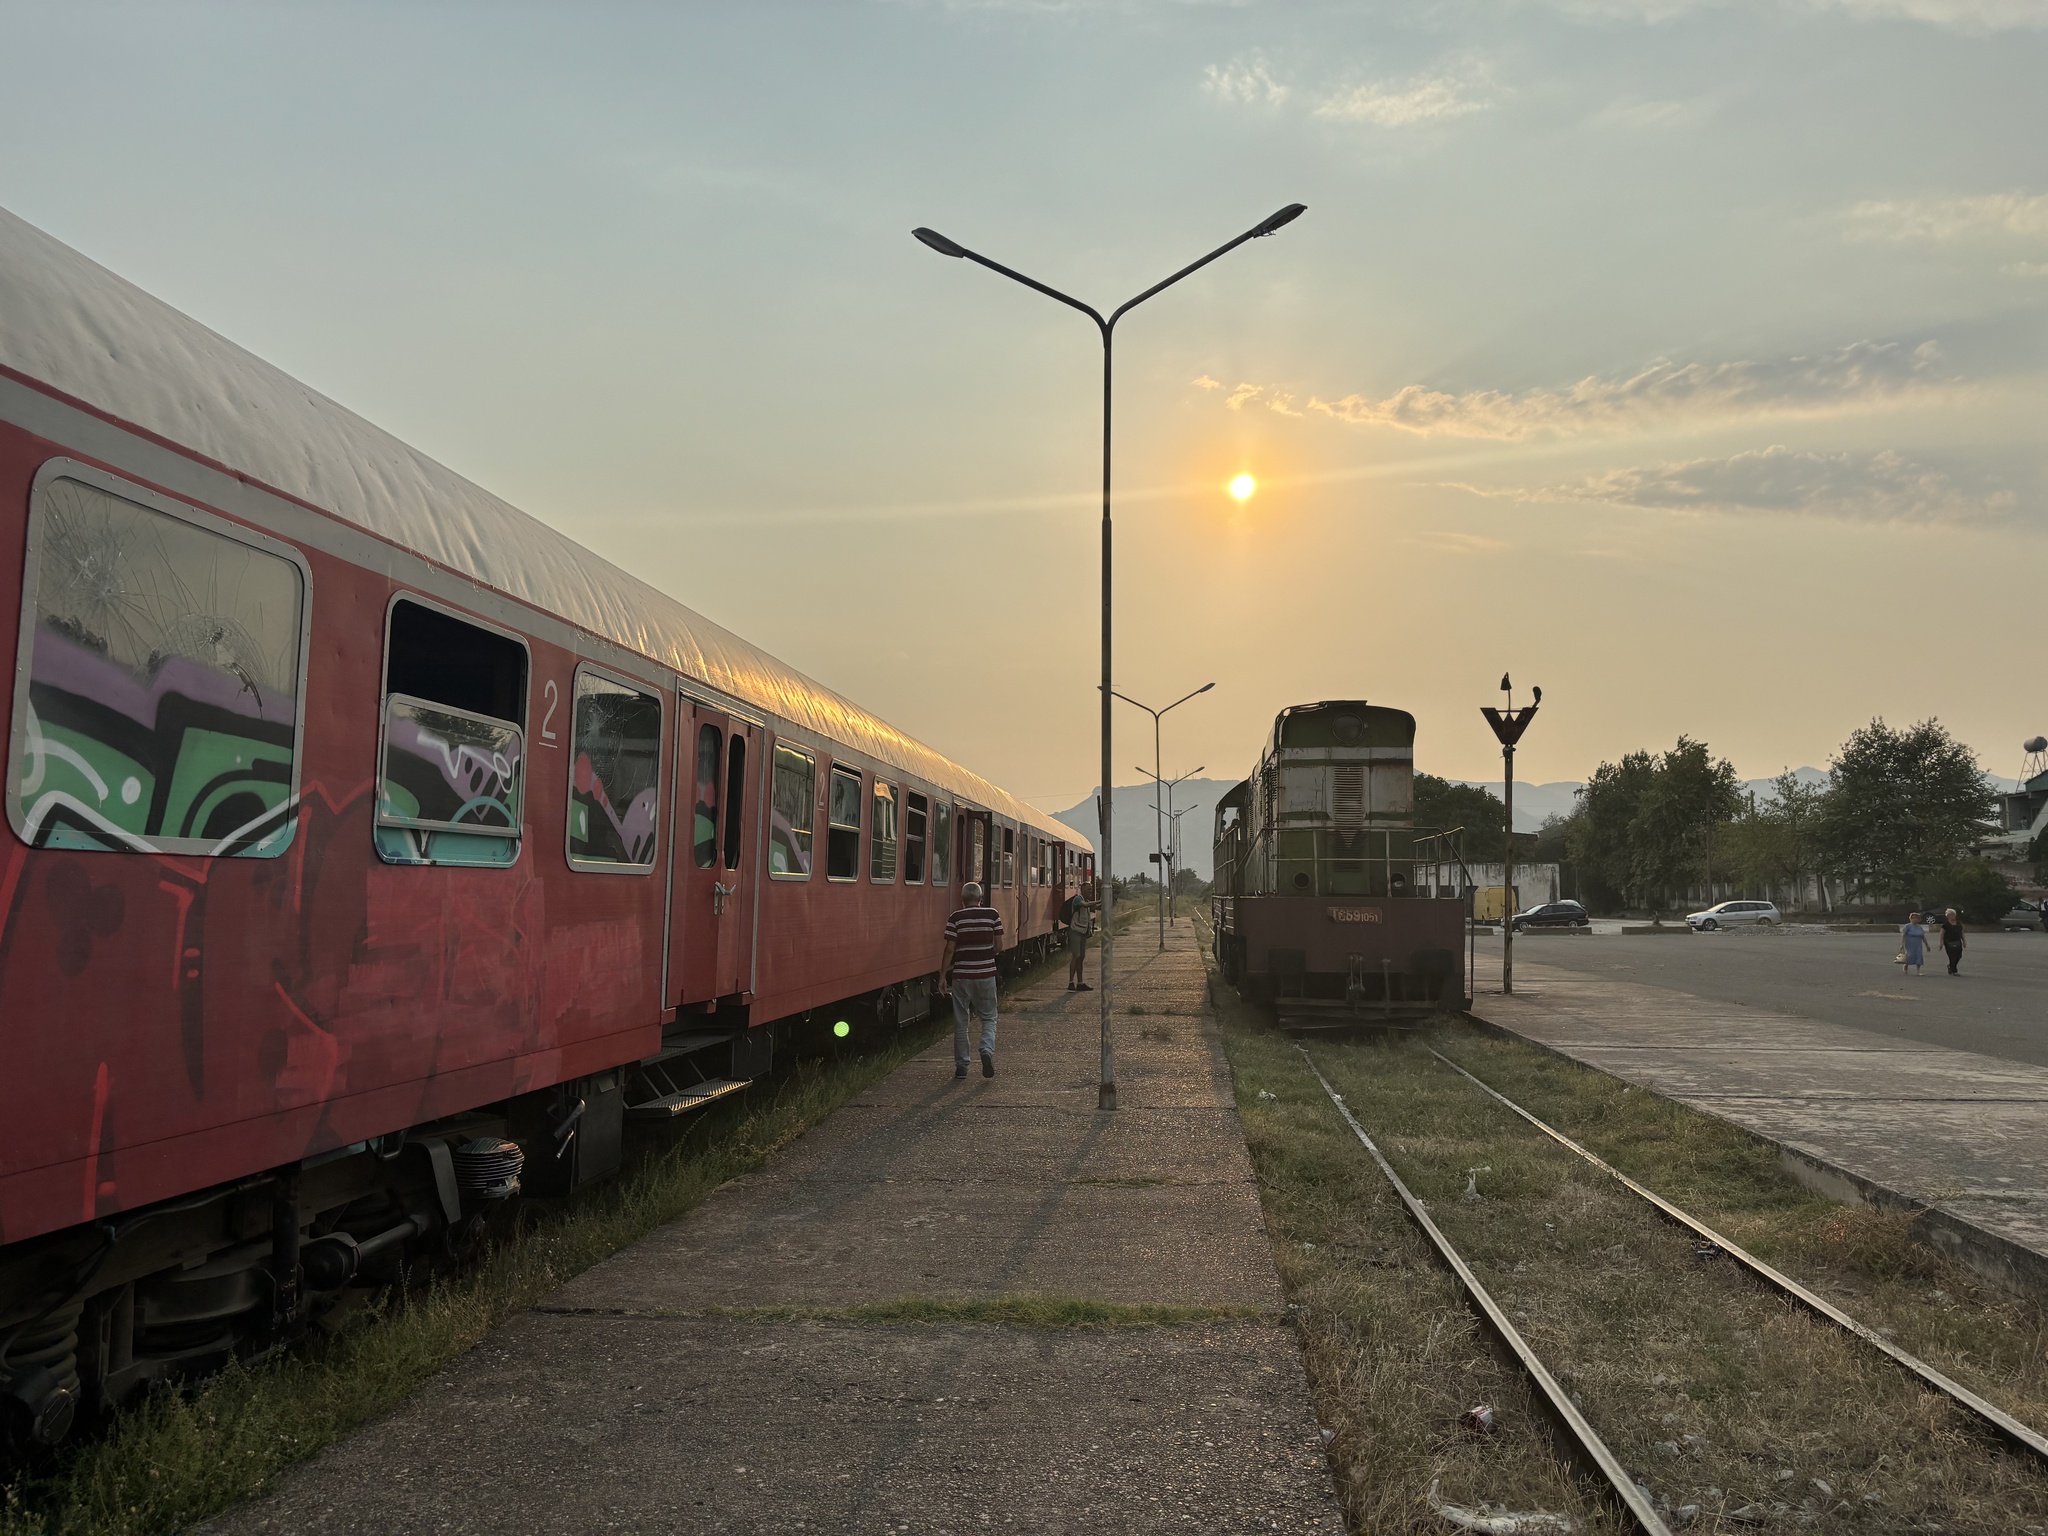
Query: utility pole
point(1508, 725)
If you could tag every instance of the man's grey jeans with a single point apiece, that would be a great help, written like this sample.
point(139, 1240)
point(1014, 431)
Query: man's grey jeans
point(977, 996)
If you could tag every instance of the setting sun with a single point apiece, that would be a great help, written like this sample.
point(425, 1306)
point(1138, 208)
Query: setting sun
point(1243, 486)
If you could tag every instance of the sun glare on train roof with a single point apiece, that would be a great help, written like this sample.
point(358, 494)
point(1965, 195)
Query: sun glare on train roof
point(1242, 488)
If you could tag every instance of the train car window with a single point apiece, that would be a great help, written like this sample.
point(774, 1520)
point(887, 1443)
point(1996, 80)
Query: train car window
point(794, 813)
point(704, 818)
point(162, 670)
point(916, 821)
point(942, 843)
point(977, 851)
point(735, 796)
point(1009, 858)
point(882, 839)
point(842, 826)
point(452, 766)
point(615, 780)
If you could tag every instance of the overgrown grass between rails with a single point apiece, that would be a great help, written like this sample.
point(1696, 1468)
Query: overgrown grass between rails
point(1037, 1313)
point(174, 1460)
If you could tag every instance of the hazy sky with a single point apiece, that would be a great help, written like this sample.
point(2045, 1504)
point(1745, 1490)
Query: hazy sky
point(1686, 358)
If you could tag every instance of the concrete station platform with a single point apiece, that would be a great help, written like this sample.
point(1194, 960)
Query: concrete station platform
point(1863, 1111)
point(629, 1402)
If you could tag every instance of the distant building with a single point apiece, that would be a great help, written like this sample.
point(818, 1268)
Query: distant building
point(1534, 883)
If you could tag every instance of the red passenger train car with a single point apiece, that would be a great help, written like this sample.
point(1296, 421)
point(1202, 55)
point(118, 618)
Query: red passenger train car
point(375, 848)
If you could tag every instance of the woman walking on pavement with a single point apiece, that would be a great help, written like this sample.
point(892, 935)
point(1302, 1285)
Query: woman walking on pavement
point(1913, 945)
point(1952, 938)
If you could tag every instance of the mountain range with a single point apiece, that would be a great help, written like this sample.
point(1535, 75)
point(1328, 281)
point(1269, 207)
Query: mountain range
point(1137, 835)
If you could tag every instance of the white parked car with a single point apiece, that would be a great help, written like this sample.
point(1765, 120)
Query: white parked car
point(1734, 914)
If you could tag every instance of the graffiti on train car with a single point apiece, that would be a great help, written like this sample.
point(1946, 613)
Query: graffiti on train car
point(162, 702)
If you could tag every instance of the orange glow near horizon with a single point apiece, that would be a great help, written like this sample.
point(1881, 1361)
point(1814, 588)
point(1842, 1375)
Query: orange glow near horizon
point(1242, 488)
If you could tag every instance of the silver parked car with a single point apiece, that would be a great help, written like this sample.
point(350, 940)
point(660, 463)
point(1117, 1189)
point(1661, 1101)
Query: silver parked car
point(2025, 914)
point(1734, 914)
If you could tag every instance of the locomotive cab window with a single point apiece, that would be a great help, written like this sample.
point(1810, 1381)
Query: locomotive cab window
point(452, 763)
point(160, 652)
point(882, 840)
point(842, 820)
point(916, 829)
point(793, 814)
point(615, 781)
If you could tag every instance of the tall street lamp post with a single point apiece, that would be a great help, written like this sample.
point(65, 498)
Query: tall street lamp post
point(1162, 805)
point(1105, 871)
point(1508, 725)
point(1160, 819)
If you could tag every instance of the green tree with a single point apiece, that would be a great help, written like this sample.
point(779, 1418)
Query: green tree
point(1976, 889)
point(1441, 805)
point(1688, 795)
point(1598, 837)
point(1901, 805)
point(1772, 841)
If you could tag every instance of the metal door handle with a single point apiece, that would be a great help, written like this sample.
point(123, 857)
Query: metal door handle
point(719, 892)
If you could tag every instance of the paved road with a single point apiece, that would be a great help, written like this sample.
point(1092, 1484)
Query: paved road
point(1997, 1007)
point(646, 1396)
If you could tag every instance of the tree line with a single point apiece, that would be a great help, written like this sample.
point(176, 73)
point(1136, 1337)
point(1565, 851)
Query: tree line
point(1895, 822)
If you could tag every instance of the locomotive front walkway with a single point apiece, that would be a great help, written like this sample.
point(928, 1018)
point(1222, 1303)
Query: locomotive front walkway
point(1854, 1111)
point(631, 1401)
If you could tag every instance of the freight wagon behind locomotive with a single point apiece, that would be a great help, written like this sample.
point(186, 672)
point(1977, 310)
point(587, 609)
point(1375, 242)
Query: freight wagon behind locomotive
point(1316, 906)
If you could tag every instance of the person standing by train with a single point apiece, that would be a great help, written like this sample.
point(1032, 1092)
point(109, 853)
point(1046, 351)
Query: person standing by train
point(967, 973)
point(1078, 913)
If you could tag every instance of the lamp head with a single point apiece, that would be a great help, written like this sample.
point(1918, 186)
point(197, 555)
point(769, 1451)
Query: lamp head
point(938, 242)
point(1505, 685)
point(1281, 219)
point(1537, 693)
point(1205, 688)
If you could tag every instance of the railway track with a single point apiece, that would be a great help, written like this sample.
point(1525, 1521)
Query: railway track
point(1630, 1498)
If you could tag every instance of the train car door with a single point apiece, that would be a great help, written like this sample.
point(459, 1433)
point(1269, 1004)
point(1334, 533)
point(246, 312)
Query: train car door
point(712, 924)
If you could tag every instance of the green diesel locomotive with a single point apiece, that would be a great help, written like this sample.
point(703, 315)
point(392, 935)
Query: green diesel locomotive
point(1317, 907)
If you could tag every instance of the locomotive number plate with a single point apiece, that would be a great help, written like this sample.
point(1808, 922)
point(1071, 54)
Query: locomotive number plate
point(1354, 914)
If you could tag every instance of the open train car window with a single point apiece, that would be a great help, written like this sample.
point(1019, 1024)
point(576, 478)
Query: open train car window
point(942, 843)
point(735, 796)
point(452, 765)
point(615, 783)
point(793, 815)
point(916, 825)
point(882, 840)
point(842, 835)
point(1009, 863)
point(160, 649)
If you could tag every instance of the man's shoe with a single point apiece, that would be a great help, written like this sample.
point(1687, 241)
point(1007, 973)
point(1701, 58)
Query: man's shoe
point(960, 1070)
point(988, 1065)
point(1084, 987)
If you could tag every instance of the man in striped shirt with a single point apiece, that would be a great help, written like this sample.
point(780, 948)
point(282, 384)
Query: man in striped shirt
point(968, 972)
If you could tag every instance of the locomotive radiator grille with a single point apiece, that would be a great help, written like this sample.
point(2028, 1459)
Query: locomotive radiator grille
point(1348, 795)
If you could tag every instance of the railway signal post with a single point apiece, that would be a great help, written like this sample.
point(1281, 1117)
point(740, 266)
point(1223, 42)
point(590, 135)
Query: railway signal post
point(1105, 870)
point(1508, 725)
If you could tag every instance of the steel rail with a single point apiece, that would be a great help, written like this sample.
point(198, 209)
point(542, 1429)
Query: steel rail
point(1995, 1416)
point(1626, 1490)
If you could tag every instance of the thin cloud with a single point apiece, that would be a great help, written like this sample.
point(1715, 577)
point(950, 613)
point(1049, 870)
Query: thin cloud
point(1881, 488)
point(1992, 216)
point(1634, 115)
point(1439, 97)
point(1860, 376)
point(1972, 16)
point(1205, 382)
point(1247, 81)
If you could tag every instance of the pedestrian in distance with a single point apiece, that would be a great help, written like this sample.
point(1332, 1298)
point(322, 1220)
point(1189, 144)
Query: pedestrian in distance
point(967, 973)
point(1952, 938)
point(1078, 913)
point(1912, 956)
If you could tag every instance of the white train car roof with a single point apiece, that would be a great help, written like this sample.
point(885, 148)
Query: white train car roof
point(70, 324)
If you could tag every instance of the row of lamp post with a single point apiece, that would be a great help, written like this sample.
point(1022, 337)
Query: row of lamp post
point(1106, 326)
